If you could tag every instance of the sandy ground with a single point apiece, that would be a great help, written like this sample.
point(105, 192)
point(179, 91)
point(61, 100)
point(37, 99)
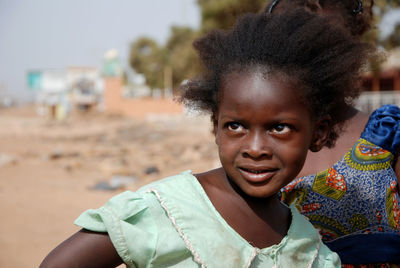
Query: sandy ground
point(49, 170)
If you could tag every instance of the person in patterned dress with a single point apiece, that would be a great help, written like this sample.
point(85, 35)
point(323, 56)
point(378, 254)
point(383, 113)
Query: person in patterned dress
point(350, 191)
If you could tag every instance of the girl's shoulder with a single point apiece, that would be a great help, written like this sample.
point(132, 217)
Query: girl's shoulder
point(129, 203)
point(137, 221)
point(132, 203)
point(171, 183)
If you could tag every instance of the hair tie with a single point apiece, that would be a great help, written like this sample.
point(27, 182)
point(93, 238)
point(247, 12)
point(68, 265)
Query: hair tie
point(359, 9)
point(271, 7)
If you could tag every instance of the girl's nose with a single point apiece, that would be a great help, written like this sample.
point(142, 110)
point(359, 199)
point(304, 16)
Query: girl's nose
point(256, 146)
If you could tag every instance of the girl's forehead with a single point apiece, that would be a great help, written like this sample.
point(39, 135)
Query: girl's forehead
point(244, 78)
point(258, 87)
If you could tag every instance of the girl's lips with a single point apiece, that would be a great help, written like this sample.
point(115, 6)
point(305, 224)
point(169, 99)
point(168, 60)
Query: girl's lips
point(257, 175)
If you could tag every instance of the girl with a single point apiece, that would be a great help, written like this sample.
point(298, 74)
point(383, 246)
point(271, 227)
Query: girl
point(361, 208)
point(274, 87)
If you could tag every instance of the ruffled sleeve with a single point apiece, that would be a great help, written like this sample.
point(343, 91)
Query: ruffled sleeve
point(327, 259)
point(383, 128)
point(128, 222)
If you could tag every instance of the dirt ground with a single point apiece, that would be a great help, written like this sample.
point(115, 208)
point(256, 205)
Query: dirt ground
point(50, 171)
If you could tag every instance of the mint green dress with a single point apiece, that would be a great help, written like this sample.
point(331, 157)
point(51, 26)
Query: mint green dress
point(172, 223)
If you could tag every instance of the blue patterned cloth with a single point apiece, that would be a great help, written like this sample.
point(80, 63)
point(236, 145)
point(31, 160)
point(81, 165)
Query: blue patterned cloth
point(355, 204)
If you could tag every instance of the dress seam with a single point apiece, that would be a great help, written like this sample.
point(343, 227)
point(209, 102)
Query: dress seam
point(121, 237)
point(253, 255)
point(316, 252)
point(189, 246)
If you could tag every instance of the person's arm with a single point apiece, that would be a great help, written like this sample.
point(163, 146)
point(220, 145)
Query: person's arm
point(84, 249)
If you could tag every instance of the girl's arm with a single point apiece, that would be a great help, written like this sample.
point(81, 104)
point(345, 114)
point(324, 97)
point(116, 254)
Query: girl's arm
point(84, 249)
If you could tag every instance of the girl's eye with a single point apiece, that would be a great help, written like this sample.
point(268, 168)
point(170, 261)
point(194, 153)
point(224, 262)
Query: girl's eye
point(281, 129)
point(234, 126)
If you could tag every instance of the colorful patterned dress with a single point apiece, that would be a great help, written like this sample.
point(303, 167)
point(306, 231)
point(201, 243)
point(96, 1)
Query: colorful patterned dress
point(355, 204)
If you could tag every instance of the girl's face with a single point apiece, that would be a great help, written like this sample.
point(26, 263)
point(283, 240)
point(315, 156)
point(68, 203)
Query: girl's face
point(263, 132)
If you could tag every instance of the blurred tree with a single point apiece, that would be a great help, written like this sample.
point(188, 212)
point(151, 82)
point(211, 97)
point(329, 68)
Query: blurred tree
point(148, 58)
point(178, 58)
point(386, 4)
point(393, 40)
point(182, 58)
point(223, 13)
point(382, 8)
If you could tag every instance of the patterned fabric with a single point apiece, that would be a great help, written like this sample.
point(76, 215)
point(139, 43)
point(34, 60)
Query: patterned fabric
point(355, 204)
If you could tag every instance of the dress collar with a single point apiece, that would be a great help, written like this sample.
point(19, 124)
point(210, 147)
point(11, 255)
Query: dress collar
point(197, 221)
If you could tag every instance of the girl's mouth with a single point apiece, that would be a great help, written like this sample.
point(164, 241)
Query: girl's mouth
point(257, 175)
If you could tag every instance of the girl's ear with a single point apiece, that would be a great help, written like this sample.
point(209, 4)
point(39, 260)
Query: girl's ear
point(321, 133)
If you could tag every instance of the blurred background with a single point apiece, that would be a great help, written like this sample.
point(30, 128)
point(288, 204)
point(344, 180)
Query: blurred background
point(87, 104)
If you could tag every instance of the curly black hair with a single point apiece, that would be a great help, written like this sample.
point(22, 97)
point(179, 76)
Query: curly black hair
point(325, 60)
point(357, 23)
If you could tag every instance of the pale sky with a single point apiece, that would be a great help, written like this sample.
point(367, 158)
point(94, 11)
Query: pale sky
point(389, 22)
point(46, 34)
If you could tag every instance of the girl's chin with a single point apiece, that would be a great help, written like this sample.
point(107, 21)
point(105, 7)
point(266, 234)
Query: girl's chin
point(259, 192)
point(259, 186)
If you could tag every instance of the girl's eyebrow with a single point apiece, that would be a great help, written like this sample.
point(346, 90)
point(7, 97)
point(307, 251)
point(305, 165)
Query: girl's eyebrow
point(230, 117)
point(272, 120)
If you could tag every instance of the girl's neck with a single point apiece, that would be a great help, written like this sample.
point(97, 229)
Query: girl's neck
point(261, 221)
point(254, 202)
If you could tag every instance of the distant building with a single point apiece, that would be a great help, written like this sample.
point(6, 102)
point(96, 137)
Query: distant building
point(384, 87)
point(126, 92)
point(58, 91)
point(86, 87)
point(116, 102)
